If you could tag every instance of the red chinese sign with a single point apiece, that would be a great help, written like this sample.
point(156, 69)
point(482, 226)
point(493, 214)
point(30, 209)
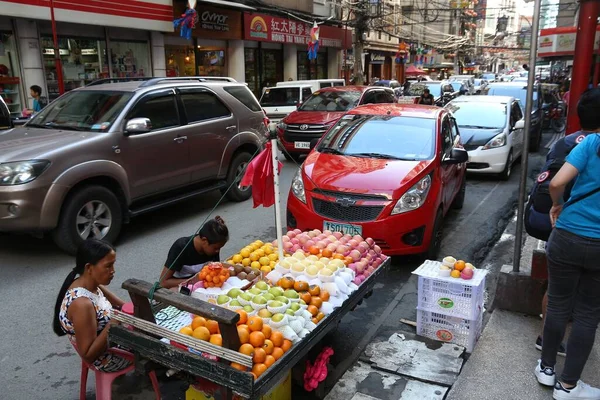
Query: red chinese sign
point(265, 28)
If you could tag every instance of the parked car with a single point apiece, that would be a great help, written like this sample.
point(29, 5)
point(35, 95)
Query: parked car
point(461, 87)
point(489, 76)
point(387, 171)
point(519, 91)
point(480, 86)
point(6, 121)
point(492, 132)
point(315, 84)
point(317, 114)
point(279, 101)
point(392, 84)
point(102, 154)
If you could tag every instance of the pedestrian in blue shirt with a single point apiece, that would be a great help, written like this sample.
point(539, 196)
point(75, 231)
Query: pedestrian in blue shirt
point(36, 93)
point(573, 261)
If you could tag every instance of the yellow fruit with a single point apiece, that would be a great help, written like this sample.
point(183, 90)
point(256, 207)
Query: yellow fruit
point(264, 261)
point(254, 256)
point(202, 333)
point(237, 259)
point(272, 264)
point(265, 269)
point(260, 252)
point(273, 257)
point(259, 243)
point(245, 253)
point(186, 330)
point(246, 262)
point(255, 265)
point(268, 250)
point(455, 273)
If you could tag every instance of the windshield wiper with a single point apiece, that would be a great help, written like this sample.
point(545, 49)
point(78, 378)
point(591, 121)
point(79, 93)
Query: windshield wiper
point(38, 126)
point(379, 155)
point(53, 125)
point(331, 150)
point(476, 127)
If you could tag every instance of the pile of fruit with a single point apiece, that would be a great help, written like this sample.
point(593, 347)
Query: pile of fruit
point(258, 256)
point(203, 329)
point(456, 269)
point(214, 275)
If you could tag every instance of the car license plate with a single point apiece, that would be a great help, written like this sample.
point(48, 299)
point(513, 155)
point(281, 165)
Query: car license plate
point(346, 229)
point(302, 145)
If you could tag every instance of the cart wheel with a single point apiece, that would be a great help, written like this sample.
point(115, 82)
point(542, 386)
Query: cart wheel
point(369, 293)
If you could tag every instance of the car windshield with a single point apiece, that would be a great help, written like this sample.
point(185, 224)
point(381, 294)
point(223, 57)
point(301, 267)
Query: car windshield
point(377, 136)
point(278, 97)
point(84, 110)
point(334, 100)
point(435, 88)
point(516, 91)
point(477, 115)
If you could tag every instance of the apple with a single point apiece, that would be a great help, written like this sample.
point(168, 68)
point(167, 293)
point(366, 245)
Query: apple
point(295, 306)
point(264, 313)
point(235, 303)
point(222, 299)
point(275, 291)
point(268, 296)
point(248, 308)
point(467, 273)
point(278, 317)
point(259, 300)
point(291, 294)
point(246, 296)
point(283, 299)
point(262, 285)
point(275, 303)
point(255, 291)
point(233, 293)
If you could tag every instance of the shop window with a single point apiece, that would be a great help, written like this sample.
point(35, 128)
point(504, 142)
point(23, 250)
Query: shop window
point(129, 59)
point(181, 61)
point(211, 62)
point(201, 105)
point(312, 69)
point(252, 70)
point(10, 88)
point(160, 109)
point(264, 68)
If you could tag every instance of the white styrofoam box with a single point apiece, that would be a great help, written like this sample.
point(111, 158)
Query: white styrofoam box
point(463, 332)
point(450, 296)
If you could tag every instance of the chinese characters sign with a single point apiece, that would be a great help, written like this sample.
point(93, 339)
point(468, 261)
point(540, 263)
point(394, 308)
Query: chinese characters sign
point(265, 28)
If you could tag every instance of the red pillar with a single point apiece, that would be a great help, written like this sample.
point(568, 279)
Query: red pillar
point(57, 60)
point(582, 63)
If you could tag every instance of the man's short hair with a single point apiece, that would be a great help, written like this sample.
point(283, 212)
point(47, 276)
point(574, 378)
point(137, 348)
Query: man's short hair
point(587, 109)
point(37, 89)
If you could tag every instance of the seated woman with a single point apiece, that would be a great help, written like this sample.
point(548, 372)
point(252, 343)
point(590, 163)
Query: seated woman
point(188, 254)
point(83, 305)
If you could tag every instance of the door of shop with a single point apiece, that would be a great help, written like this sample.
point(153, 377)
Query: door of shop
point(264, 67)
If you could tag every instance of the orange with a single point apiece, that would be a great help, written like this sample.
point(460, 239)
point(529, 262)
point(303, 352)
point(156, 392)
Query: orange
point(198, 322)
point(300, 286)
point(315, 320)
point(267, 331)
point(455, 273)
point(276, 338)
point(216, 339)
point(244, 326)
point(239, 367)
point(277, 353)
point(201, 333)
point(247, 349)
point(257, 339)
point(287, 282)
point(254, 376)
point(459, 265)
point(186, 330)
point(314, 290)
point(270, 360)
point(255, 324)
point(268, 346)
point(243, 317)
point(327, 253)
point(260, 355)
point(313, 310)
point(213, 326)
point(314, 250)
point(286, 346)
point(316, 301)
point(306, 297)
point(259, 369)
point(243, 334)
point(320, 316)
point(324, 295)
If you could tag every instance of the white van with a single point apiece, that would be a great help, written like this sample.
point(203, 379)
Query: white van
point(279, 101)
point(315, 84)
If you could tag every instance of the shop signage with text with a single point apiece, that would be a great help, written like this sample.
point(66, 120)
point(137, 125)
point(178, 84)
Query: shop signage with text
point(560, 41)
point(214, 23)
point(266, 28)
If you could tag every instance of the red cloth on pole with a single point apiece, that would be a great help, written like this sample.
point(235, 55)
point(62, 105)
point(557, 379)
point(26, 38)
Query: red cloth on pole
point(259, 175)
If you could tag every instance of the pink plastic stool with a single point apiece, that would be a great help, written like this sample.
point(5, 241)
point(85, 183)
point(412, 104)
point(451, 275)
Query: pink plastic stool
point(104, 380)
point(127, 308)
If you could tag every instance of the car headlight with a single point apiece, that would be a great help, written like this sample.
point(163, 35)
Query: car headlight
point(414, 198)
point(282, 125)
point(298, 186)
point(20, 172)
point(497, 141)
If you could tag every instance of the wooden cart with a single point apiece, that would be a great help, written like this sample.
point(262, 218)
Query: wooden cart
point(142, 336)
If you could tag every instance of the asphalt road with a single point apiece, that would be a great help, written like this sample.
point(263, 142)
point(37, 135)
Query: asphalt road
point(36, 364)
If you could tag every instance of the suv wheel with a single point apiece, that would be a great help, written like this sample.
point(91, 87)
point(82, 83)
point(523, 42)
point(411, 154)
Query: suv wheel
point(235, 174)
point(92, 212)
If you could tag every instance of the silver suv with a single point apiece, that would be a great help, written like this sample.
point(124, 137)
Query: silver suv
point(101, 154)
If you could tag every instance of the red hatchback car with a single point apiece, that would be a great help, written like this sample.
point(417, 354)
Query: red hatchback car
point(321, 110)
point(387, 171)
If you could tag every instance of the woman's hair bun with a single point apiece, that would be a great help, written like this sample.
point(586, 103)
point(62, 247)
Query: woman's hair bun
point(220, 220)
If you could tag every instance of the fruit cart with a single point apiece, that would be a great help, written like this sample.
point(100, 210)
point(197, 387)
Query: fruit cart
point(146, 339)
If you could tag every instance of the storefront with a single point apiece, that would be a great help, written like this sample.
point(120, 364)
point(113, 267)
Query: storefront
point(206, 53)
point(10, 73)
point(276, 49)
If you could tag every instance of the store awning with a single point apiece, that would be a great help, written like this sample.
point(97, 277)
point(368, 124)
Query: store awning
point(228, 4)
point(412, 70)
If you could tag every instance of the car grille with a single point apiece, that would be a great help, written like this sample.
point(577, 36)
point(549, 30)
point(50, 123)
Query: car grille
point(277, 116)
point(338, 212)
point(352, 196)
point(293, 133)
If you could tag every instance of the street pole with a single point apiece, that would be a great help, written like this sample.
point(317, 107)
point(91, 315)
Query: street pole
point(361, 26)
point(457, 22)
point(525, 157)
point(57, 60)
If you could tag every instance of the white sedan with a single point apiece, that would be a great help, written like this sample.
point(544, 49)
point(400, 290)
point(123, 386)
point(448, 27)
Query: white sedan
point(491, 128)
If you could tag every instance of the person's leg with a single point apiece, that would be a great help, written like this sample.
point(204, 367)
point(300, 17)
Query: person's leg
point(586, 315)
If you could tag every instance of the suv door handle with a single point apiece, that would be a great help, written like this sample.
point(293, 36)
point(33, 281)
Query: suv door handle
point(231, 128)
point(180, 139)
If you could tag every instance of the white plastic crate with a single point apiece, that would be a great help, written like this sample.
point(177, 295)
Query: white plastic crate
point(450, 296)
point(463, 332)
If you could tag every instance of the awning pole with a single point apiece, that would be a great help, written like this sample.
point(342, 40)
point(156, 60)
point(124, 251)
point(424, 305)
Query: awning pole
point(525, 157)
point(57, 60)
point(278, 224)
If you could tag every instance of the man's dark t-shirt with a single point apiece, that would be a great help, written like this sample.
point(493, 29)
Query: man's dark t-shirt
point(426, 99)
point(190, 262)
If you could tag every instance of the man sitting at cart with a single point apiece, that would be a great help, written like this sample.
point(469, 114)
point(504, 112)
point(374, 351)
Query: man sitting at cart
point(188, 254)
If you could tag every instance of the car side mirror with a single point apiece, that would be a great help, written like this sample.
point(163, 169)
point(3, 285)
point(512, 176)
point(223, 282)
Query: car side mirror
point(138, 125)
point(458, 156)
point(520, 124)
point(314, 143)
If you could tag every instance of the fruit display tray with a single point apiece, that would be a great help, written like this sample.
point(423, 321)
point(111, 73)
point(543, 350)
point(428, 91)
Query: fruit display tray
point(463, 332)
point(453, 297)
